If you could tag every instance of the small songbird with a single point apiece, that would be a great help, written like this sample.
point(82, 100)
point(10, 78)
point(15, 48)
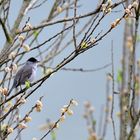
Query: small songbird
point(26, 73)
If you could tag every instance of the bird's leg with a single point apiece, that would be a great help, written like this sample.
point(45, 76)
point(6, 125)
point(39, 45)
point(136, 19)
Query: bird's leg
point(20, 87)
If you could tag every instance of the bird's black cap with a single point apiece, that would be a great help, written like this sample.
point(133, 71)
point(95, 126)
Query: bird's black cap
point(32, 59)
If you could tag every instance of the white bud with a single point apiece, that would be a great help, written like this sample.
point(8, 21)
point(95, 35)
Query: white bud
point(125, 108)
point(49, 71)
point(3, 126)
point(38, 108)
point(6, 109)
point(62, 110)
point(87, 104)
point(34, 138)
point(12, 55)
point(59, 9)
point(10, 130)
point(69, 112)
point(109, 98)
point(135, 4)
point(109, 10)
point(7, 69)
point(39, 103)
point(104, 7)
point(117, 21)
point(109, 2)
point(65, 5)
point(92, 40)
point(28, 119)
point(22, 125)
point(21, 38)
point(26, 47)
point(57, 125)
point(28, 26)
point(129, 6)
point(65, 106)
point(74, 102)
point(14, 68)
point(62, 118)
point(5, 91)
point(127, 11)
point(22, 100)
point(91, 109)
point(1, 90)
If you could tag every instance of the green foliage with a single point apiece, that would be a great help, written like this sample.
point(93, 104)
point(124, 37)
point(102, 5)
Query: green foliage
point(119, 76)
point(138, 38)
point(137, 86)
point(53, 135)
point(27, 84)
point(36, 33)
point(94, 122)
point(84, 45)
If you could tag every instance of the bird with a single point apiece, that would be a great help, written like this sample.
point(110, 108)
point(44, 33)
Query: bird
point(26, 73)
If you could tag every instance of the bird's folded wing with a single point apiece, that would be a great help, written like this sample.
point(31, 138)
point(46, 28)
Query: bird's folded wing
point(26, 74)
point(22, 75)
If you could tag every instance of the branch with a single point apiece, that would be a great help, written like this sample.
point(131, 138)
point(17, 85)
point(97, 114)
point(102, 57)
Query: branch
point(68, 19)
point(8, 38)
point(86, 70)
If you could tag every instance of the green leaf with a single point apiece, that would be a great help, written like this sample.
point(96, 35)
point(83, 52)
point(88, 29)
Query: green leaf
point(36, 33)
point(119, 76)
point(94, 122)
point(27, 84)
point(137, 86)
point(84, 45)
point(53, 135)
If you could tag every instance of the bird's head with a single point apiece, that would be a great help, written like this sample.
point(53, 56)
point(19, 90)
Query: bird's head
point(32, 60)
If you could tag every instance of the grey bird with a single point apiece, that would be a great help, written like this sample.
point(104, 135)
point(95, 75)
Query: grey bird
point(26, 73)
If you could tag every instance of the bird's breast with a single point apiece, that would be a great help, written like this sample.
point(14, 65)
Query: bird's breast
point(32, 77)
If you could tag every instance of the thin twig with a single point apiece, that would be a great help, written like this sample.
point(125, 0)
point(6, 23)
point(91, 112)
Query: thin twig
point(113, 89)
point(85, 70)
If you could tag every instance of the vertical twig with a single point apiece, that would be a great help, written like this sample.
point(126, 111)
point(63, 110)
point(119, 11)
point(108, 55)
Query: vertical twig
point(74, 23)
point(113, 86)
point(107, 109)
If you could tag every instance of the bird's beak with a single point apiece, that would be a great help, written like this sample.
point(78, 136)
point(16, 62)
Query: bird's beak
point(37, 61)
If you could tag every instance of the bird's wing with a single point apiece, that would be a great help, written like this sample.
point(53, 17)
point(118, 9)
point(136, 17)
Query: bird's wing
point(23, 75)
point(17, 77)
point(26, 74)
